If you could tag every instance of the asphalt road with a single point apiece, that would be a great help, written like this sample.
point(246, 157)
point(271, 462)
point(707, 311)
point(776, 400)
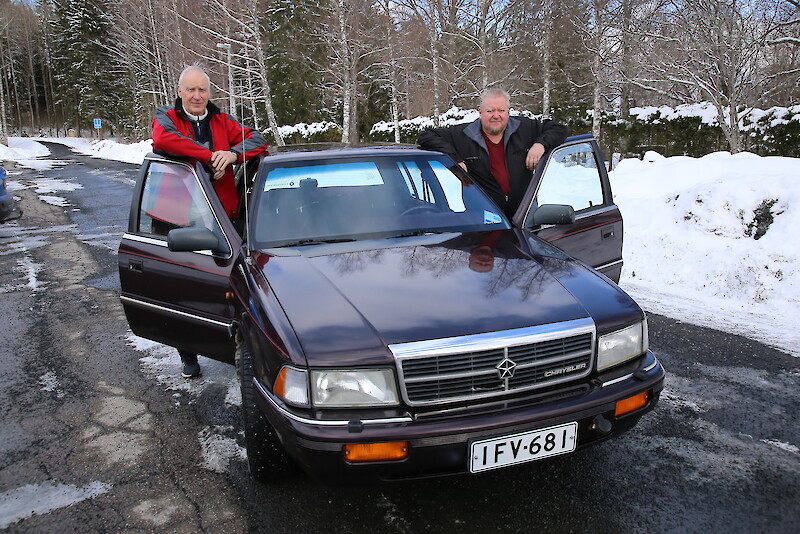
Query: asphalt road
point(91, 417)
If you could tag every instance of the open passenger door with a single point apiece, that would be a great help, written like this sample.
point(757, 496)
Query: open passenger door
point(569, 203)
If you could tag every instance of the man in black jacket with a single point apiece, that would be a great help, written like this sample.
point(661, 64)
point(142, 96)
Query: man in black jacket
point(498, 151)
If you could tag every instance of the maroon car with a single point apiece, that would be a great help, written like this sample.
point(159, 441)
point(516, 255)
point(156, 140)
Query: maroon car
point(386, 319)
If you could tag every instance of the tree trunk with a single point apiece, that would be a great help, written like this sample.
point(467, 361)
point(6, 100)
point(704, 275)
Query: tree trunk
point(483, 11)
point(435, 67)
point(394, 103)
point(598, 105)
point(3, 122)
point(3, 99)
point(263, 71)
point(354, 137)
point(344, 50)
point(547, 75)
point(253, 111)
point(157, 50)
point(597, 66)
point(625, 60)
point(34, 91)
point(730, 126)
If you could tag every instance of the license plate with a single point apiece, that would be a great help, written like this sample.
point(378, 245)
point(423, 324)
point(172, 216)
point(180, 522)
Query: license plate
point(523, 447)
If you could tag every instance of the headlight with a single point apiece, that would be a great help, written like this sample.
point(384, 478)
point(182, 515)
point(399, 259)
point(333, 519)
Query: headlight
point(345, 389)
point(622, 345)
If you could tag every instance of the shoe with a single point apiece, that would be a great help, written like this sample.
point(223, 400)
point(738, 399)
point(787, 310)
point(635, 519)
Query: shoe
point(191, 368)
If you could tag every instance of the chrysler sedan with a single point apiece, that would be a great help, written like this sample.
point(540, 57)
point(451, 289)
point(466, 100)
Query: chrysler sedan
point(386, 319)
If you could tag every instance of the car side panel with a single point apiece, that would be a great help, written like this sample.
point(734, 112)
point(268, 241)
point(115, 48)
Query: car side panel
point(177, 298)
point(595, 239)
point(182, 299)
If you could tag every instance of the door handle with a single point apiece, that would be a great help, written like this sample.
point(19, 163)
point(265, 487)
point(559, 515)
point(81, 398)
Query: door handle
point(135, 266)
point(608, 232)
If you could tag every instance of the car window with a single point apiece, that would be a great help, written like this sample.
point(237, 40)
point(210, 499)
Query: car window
point(365, 198)
point(173, 198)
point(572, 178)
point(451, 184)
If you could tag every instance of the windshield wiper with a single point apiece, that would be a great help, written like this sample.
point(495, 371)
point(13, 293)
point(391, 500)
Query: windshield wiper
point(416, 233)
point(302, 242)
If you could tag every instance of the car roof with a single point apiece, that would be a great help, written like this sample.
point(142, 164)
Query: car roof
point(308, 152)
point(317, 151)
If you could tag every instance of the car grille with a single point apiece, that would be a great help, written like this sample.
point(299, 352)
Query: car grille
point(538, 359)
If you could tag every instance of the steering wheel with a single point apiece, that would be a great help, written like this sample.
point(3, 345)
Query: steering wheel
point(420, 208)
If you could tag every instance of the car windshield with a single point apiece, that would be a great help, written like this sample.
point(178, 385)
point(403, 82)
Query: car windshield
point(367, 197)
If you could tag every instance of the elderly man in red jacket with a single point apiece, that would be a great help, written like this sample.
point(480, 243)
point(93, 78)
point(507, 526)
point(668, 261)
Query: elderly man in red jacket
point(195, 128)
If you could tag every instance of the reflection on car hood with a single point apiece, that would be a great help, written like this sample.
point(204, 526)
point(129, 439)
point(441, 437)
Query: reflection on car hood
point(346, 306)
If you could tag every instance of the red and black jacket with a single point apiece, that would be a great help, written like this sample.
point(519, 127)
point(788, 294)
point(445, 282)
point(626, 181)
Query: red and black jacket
point(173, 135)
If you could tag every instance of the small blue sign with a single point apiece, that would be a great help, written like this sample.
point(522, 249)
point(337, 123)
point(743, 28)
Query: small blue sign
point(98, 123)
point(491, 218)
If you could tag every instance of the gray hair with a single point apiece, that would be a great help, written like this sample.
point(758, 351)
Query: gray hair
point(494, 92)
point(193, 67)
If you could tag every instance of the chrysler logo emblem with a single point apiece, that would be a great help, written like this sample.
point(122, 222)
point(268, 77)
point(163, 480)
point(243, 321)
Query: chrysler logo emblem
point(505, 369)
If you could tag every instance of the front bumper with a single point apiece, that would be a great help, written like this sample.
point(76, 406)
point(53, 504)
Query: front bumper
point(440, 441)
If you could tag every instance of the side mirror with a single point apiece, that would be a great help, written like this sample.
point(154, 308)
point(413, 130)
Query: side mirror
point(192, 240)
point(553, 214)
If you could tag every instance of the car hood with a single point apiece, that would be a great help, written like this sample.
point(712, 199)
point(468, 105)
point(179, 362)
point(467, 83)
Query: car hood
point(347, 301)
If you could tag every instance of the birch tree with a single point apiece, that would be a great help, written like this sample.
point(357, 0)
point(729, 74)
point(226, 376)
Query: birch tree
point(391, 67)
point(354, 46)
point(788, 24)
point(142, 45)
point(716, 50)
point(5, 22)
point(547, 56)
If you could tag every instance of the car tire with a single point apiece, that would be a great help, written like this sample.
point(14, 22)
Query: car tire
point(266, 456)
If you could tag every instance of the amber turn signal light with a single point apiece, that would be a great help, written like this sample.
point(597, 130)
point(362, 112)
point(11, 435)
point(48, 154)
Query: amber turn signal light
point(376, 452)
point(631, 404)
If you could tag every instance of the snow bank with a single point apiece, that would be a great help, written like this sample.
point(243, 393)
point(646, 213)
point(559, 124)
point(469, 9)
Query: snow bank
point(106, 148)
point(710, 240)
point(21, 147)
point(25, 151)
point(707, 113)
point(451, 117)
point(704, 110)
point(306, 131)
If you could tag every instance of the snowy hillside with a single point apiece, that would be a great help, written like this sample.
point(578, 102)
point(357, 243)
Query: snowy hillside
point(713, 241)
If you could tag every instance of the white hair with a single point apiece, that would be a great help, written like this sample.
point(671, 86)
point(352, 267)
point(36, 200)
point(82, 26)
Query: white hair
point(494, 92)
point(191, 68)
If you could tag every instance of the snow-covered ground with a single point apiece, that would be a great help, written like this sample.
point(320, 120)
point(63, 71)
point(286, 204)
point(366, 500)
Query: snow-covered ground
point(28, 152)
point(709, 241)
point(693, 250)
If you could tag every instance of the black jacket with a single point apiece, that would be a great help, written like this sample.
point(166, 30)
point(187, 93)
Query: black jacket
point(464, 142)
